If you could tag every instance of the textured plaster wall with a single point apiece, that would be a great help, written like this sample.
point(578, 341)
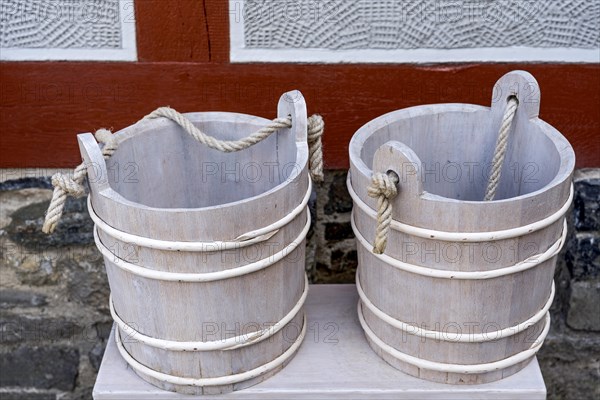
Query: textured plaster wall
point(437, 24)
point(60, 24)
point(67, 30)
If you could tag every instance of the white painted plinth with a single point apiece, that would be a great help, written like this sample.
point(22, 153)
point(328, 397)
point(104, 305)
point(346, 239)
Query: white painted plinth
point(334, 361)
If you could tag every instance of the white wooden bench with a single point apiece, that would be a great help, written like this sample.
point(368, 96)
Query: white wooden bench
point(334, 361)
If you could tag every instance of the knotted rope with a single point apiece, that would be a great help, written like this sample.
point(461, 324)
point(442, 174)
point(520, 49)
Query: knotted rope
point(315, 123)
point(383, 186)
point(501, 146)
point(316, 128)
point(65, 185)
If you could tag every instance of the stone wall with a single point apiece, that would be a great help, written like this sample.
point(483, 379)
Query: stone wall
point(54, 319)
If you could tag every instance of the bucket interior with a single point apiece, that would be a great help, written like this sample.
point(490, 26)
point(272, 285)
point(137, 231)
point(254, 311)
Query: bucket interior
point(167, 168)
point(456, 151)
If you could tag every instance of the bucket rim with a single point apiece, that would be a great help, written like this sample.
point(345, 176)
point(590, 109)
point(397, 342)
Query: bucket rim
point(143, 126)
point(366, 131)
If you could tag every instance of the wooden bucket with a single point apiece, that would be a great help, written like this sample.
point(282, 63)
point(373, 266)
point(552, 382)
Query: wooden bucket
point(462, 291)
point(204, 250)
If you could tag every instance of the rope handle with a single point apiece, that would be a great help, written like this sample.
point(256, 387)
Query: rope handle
point(517, 92)
point(383, 185)
point(65, 185)
point(501, 146)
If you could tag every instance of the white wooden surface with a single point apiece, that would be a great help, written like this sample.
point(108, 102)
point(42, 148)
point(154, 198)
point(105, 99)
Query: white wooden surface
point(334, 361)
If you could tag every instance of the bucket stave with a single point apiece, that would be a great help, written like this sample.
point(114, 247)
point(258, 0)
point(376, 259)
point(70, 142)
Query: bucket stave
point(204, 250)
point(462, 291)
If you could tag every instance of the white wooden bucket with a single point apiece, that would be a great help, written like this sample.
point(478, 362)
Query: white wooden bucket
point(204, 250)
point(461, 293)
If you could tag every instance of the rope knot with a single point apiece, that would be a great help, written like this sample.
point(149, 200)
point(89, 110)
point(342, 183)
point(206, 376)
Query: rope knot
point(65, 185)
point(109, 140)
point(68, 185)
point(383, 188)
point(383, 185)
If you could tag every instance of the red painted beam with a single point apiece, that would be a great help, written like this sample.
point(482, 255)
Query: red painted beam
point(172, 31)
point(183, 30)
point(43, 105)
point(217, 16)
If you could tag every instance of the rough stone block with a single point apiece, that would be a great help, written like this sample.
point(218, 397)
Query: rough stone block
point(338, 231)
point(37, 270)
point(339, 199)
point(341, 269)
point(583, 256)
point(16, 328)
point(43, 367)
point(569, 365)
point(10, 298)
point(584, 306)
point(587, 200)
point(103, 329)
point(75, 227)
point(20, 182)
point(86, 281)
point(28, 395)
point(95, 355)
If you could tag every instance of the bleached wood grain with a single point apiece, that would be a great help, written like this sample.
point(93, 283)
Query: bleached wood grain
point(419, 144)
point(334, 361)
point(162, 184)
